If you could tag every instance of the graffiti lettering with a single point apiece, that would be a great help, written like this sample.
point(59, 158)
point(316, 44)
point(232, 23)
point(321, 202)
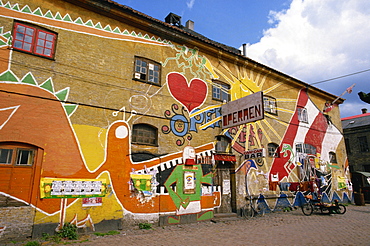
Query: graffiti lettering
point(182, 126)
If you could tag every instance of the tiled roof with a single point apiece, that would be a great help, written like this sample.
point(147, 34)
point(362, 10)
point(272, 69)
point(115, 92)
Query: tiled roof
point(230, 49)
point(356, 121)
point(181, 29)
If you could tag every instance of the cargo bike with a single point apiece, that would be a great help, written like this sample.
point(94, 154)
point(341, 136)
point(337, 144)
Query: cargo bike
point(326, 208)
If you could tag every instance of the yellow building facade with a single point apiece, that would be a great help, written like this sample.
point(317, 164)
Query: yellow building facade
point(109, 117)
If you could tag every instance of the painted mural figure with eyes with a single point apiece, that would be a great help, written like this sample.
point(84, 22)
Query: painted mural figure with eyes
point(184, 186)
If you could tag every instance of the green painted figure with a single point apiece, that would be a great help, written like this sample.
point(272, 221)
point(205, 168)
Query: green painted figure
point(188, 178)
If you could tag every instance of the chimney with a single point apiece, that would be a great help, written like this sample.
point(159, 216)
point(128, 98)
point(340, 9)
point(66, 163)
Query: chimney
point(364, 110)
point(173, 19)
point(245, 50)
point(190, 25)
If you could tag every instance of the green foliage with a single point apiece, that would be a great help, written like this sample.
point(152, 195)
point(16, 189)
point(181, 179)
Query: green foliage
point(32, 243)
point(68, 231)
point(45, 236)
point(107, 233)
point(55, 238)
point(145, 226)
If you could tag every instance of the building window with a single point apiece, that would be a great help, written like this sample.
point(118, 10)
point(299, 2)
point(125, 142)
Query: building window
point(220, 91)
point(305, 148)
point(270, 105)
point(222, 144)
point(147, 71)
point(34, 40)
point(273, 150)
point(302, 115)
point(363, 144)
point(16, 155)
point(332, 157)
point(144, 134)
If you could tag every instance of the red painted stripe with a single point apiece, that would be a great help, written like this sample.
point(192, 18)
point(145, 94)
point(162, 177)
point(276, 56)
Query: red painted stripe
point(290, 134)
point(316, 133)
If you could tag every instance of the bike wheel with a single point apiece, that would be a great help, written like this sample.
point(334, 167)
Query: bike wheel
point(307, 209)
point(247, 211)
point(341, 209)
point(260, 210)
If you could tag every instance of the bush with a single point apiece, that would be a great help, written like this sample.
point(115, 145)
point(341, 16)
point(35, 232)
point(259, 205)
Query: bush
point(68, 231)
point(145, 226)
point(32, 243)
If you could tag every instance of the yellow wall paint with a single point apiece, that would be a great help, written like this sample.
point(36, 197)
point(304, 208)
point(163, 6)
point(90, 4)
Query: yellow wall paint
point(110, 209)
point(92, 142)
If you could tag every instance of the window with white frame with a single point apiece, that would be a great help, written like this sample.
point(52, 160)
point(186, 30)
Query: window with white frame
point(273, 150)
point(222, 144)
point(305, 148)
point(147, 70)
point(17, 155)
point(220, 91)
point(302, 114)
point(33, 39)
point(270, 104)
point(332, 157)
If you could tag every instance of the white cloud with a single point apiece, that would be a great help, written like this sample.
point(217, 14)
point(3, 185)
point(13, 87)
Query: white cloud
point(190, 4)
point(317, 39)
point(352, 108)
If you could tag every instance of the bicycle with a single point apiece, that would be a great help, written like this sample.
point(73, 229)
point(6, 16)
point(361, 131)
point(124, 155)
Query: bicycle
point(307, 209)
point(250, 209)
point(318, 205)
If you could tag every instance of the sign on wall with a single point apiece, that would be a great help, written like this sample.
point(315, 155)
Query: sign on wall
point(72, 188)
point(92, 201)
point(244, 110)
point(189, 182)
point(254, 153)
point(226, 187)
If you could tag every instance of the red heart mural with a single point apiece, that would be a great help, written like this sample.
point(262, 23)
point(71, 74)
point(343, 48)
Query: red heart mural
point(190, 95)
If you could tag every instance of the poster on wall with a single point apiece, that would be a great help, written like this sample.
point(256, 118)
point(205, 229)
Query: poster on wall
point(72, 188)
point(189, 182)
point(142, 183)
point(226, 187)
point(341, 182)
point(92, 201)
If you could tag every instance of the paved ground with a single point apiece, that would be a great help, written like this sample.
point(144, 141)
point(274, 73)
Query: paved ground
point(290, 228)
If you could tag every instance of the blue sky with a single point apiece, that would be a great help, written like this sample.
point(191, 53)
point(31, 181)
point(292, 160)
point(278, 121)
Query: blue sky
point(311, 40)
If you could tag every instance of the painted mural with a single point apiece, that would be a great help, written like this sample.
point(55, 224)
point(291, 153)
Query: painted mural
point(75, 181)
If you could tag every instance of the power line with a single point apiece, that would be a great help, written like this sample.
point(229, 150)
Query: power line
point(319, 82)
point(80, 104)
point(343, 76)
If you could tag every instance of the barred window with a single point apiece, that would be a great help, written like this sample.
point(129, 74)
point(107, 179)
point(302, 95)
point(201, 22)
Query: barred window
point(144, 134)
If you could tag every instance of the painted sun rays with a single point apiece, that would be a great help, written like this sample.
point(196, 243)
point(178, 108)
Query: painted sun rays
point(245, 83)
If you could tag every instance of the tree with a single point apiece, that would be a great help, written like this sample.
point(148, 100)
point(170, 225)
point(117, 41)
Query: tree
point(364, 96)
